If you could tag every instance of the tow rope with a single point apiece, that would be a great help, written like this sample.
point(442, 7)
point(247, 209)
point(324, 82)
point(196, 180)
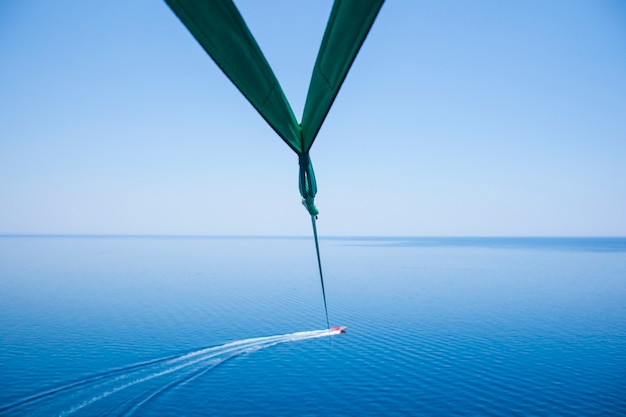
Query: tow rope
point(308, 189)
point(319, 264)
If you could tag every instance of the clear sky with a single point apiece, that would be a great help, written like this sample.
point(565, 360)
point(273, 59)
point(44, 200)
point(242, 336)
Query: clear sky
point(458, 118)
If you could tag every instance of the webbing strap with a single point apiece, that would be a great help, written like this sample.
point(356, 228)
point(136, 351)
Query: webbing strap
point(319, 265)
point(308, 186)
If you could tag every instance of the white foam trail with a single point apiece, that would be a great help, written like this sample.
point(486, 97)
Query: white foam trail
point(144, 381)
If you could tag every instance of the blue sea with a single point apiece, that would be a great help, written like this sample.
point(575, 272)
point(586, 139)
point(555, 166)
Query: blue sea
point(219, 326)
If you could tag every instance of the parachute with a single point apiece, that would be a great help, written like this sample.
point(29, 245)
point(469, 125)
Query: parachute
point(220, 29)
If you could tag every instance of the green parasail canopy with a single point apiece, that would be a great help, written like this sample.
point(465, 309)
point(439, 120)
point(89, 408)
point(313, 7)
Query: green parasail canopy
point(220, 29)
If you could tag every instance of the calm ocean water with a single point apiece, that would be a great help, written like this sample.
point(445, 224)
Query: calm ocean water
point(175, 326)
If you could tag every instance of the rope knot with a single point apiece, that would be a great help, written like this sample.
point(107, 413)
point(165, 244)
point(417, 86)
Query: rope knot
point(308, 186)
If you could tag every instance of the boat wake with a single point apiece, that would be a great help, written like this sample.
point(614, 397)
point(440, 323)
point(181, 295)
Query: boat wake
point(122, 391)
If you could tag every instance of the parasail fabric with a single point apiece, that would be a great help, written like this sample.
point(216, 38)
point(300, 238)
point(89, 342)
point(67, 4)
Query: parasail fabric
point(348, 25)
point(221, 30)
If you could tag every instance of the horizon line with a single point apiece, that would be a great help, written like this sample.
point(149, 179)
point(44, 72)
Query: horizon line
point(234, 236)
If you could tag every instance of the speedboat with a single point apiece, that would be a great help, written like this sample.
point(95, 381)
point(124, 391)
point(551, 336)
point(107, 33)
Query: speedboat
point(339, 329)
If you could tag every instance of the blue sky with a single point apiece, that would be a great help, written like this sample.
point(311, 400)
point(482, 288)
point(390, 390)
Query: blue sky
point(458, 118)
